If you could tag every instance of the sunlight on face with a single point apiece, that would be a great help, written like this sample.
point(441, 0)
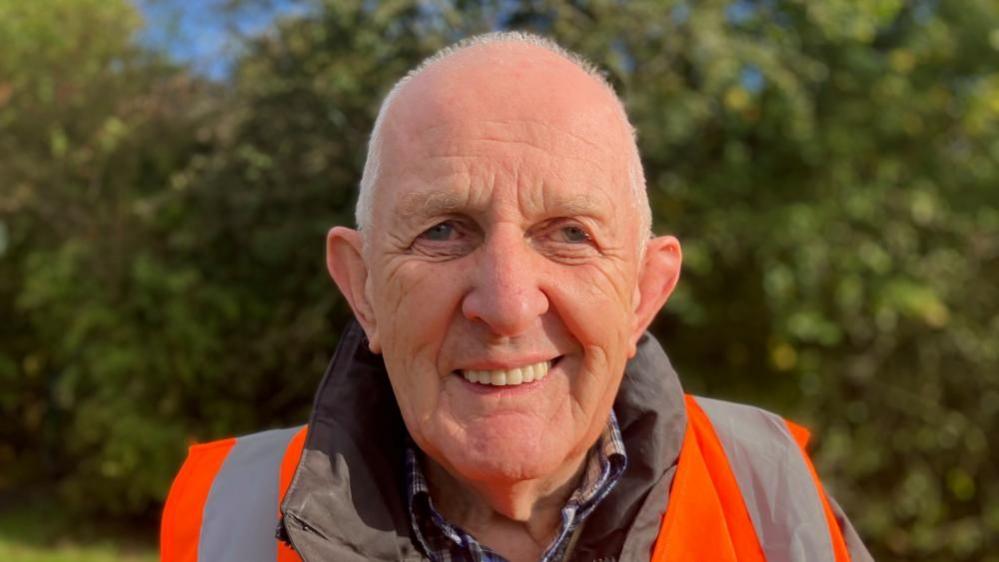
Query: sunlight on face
point(503, 242)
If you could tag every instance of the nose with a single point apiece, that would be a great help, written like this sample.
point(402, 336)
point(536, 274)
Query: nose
point(506, 295)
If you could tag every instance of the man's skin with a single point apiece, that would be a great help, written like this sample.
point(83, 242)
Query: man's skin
point(504, 233)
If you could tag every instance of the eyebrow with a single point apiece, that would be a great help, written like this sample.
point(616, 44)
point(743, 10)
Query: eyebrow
point(441, 203)
point(579, 205)
point(428, 204)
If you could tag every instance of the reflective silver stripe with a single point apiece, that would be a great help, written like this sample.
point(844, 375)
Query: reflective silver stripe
point(240, 514)
point(775, 482)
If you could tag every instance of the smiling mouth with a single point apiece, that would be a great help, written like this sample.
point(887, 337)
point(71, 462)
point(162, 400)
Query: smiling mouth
point(508, 377)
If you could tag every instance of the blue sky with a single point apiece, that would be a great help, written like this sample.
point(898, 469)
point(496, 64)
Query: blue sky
point(200, 32)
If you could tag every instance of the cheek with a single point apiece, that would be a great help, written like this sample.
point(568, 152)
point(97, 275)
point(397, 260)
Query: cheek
point(595, 305)
point(414, 307)
point(415, 295)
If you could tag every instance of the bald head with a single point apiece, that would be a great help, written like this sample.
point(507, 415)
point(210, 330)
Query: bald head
point(504, 79)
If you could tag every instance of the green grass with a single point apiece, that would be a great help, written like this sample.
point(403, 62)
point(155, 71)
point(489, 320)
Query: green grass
point(13, 551)
point(36, 528)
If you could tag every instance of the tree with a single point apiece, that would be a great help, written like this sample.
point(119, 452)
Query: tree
point(830, 168)
point(92, 129)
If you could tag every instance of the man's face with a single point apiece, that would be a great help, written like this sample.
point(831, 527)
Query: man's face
point(504, 246)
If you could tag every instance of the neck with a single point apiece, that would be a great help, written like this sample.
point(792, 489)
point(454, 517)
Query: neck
point(515, 519)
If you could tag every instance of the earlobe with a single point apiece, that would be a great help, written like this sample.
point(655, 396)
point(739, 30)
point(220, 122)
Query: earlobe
point(657, 278)
point(345, 262)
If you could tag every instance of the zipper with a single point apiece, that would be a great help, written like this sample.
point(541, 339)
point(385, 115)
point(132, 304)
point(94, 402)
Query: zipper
point(282, 534)
point(303, 525)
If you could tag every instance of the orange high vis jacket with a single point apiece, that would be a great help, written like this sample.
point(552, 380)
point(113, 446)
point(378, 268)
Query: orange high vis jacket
point(744, 491)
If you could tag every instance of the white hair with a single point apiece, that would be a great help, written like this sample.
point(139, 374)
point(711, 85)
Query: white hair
point(372, 165)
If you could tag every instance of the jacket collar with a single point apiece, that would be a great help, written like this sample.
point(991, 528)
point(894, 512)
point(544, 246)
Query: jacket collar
point(347, 498)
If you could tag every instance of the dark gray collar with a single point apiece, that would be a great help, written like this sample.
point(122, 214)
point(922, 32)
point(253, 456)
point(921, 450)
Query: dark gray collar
point(347, 499)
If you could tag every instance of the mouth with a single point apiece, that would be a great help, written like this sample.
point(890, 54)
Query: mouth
point(508, 377)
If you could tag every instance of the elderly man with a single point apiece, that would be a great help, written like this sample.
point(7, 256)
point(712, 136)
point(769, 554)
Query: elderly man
point(499, 398)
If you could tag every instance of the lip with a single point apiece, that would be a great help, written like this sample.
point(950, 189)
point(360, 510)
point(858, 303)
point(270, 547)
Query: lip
point(496, 365)
point(506, 390)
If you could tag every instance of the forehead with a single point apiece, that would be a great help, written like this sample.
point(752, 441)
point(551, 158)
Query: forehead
point(506, 105)
point(493, 85)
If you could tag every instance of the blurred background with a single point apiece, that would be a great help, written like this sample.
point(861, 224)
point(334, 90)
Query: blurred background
point(168, 170)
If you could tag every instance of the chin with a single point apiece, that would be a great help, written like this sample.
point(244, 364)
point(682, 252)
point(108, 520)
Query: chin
point(492, 470)
point(506, 460)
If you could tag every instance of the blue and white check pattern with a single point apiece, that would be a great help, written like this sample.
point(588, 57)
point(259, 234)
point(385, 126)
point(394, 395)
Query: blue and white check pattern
point(445, 542)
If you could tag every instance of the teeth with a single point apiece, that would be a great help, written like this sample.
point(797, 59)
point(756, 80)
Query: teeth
point(509, 377)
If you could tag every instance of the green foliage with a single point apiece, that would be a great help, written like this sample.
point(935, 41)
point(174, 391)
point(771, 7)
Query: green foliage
point(97, 325)
point(830, 167)
point(40, 529)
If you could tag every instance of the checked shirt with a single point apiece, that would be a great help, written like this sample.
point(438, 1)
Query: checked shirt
point(443, 541)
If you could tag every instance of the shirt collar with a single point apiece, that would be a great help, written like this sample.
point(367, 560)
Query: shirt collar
point(443, 541)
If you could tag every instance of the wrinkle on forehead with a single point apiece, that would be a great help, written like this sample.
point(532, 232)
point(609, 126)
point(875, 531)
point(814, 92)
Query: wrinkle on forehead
point(472, 138)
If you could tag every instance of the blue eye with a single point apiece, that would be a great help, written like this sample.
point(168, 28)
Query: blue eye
point(439, 232)
point(448, 239)
point(575, 235)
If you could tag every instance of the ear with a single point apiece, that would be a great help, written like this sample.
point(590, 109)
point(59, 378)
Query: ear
point(660, 270)
point(345, 262)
